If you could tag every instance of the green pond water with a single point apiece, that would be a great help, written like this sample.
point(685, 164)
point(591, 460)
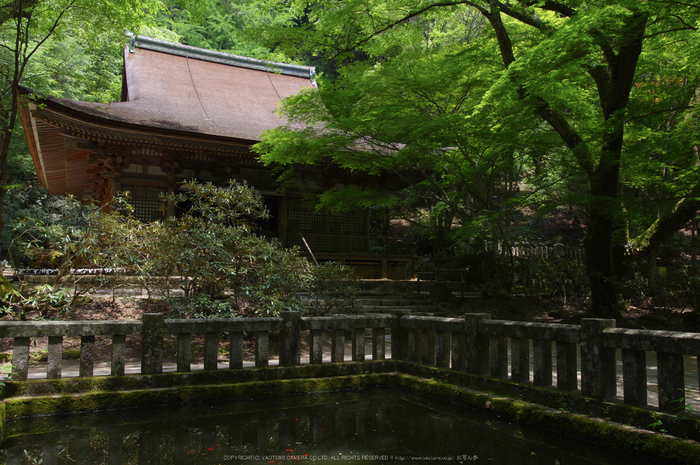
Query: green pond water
point(368, 427)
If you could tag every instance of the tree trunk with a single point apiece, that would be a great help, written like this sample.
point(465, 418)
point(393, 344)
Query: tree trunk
point(599, 249)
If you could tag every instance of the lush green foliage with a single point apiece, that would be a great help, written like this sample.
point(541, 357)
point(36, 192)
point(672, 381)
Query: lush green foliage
point(332, 288)
point(68, 47)
point(212, 246)
point(209, 249)
point(61, 234)
point(226, 26)
point(491, 109)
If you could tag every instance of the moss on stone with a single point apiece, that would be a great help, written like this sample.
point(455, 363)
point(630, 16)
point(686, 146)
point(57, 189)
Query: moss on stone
point(548, 408)
point(97, 401)
point(2, 422)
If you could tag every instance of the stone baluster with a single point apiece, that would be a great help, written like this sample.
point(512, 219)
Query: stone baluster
point(235, 350)
point(378, 344)
point(520, 359)
point(399, 337)
point(478, 346)
point(87, 356)
point(337, 345)
point(671, 382)
point(499, 357)
point(20, 358)
point(211, 351)
point(429, 351)
point(262, 349)
point(542, 362)
point(290, 339)
point(567, 375)
point(152, 335)
point(316, 346)
point(118, 354)
point(443, 349)
point(55, 357)
point(411, 352)
point(459, 351)
point(634, 376)
point(184, 352)
point(358, 345)
point(598, 370)
point(419, 345)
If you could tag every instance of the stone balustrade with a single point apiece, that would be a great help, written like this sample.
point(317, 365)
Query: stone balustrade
point(479, 345)
point(474, 344)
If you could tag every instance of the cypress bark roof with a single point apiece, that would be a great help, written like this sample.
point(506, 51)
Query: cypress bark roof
point(175, 97)
point(177, 87)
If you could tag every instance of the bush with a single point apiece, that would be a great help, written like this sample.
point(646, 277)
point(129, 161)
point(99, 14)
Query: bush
point(199, 306)
point(333, 289)
point(210, 248)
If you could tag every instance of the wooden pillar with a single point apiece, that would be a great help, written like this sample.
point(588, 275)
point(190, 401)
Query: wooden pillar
point(170, 209)
point(282, 221)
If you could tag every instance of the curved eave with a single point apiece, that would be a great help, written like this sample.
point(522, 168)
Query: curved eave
point(53, 131)
point(91, 124)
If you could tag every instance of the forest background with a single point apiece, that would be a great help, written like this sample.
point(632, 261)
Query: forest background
point(554, 121)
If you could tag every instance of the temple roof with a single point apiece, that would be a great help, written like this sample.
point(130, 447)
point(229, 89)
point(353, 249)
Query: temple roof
point(177, 87)
point(172, 95)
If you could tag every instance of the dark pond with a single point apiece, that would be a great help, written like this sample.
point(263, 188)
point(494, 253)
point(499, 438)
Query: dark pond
point(379, 426)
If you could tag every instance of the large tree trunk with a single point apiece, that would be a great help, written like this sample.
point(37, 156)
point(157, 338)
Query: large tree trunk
point(600, 246)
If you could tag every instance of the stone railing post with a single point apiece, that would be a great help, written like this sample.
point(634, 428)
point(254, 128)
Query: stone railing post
point(211, 351)
point(598, 370)
point(55, 357)
point(20, 359)
point(671, 382)
point(478, 347)
point(290, 339)
point(152, 334)
point(378, 346)
point(399, 337)
point(118, 354)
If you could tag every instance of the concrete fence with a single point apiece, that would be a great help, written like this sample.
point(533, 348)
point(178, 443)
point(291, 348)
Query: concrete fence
point(475, 344)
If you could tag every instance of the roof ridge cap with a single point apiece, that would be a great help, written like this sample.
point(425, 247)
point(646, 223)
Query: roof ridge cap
point(158, 45)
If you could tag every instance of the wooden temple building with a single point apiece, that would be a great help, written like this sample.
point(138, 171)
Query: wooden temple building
point(187, 113)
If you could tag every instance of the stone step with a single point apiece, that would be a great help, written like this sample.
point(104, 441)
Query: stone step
point(391, 302)
point(413, 308)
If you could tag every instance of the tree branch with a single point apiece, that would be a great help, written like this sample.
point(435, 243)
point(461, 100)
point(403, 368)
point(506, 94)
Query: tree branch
point(403, 19)
point(689, 107)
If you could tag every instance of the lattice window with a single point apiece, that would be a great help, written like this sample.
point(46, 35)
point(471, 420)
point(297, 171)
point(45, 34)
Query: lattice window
point(349, 224)
point(303, 219)
point(324, 234)
point(146, 201)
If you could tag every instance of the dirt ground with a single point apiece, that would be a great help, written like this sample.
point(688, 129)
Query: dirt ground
point(516, 308)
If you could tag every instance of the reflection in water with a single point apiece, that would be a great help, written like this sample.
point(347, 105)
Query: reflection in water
point(379, 426)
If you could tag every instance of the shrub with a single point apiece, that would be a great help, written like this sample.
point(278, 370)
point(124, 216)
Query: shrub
point(333, 289)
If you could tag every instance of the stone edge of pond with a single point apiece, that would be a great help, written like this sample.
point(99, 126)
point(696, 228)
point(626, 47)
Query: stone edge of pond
point(683, 425)
point(655, 446)
point(608, 424)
